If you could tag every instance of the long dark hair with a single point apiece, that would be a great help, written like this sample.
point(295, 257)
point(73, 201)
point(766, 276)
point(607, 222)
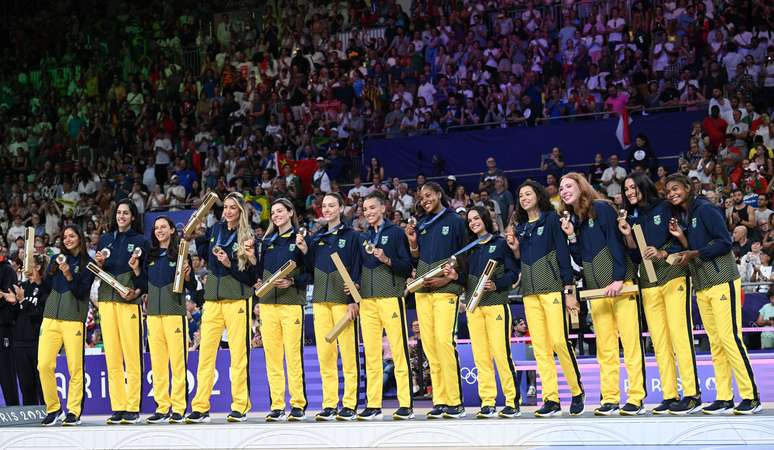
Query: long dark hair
point(136, 222)
point(80, 250)
point(486, 217)
point(686, 182)
point(647, 189)
point(543, 200)
point(174, 241)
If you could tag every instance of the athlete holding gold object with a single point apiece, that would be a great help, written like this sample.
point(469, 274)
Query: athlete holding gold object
point(439, 235)
point(490, 322)
point(167, 323)
point(549, 292)
point(331, 302)
point(229, 287)
point(667, 302)
point(121, 316)
point(63, 325)
point(702, 230)
point(282, 313)
point(596, 242)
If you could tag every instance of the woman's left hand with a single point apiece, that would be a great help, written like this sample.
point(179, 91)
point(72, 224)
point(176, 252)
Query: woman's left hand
point(613, 289)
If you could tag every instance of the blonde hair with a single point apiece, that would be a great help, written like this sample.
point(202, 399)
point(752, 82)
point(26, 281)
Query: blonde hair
point(244, 232)
point(586, 200)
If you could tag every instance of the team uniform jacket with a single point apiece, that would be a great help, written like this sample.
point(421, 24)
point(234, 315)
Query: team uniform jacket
point(68, 300)
point(600, 247)
point(380, 280)
point(437, 242)
point(655, 227)
point(121, 245)
point(706, 232)
point(162, 301)
point(545, 255)
point(328, 284)
point(275, 251)
point(225, 283)
point(504, 276)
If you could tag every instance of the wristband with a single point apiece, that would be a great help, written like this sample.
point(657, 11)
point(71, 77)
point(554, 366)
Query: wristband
point(572, 237)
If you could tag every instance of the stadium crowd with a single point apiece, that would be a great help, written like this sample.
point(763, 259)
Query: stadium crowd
point(164, 103)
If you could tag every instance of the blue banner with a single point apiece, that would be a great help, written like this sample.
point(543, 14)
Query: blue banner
point(180, 218)
point(521, 147)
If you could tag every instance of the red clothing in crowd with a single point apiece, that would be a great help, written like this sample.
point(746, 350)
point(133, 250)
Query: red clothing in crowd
point(715, 127)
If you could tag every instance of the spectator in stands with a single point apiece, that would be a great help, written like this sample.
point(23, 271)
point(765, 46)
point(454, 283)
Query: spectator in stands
point(766, 319)
point(553, 162)
point(613, 177)
point(741, 243)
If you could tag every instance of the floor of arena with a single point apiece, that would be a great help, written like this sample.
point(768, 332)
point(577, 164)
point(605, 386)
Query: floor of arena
point(527, 432)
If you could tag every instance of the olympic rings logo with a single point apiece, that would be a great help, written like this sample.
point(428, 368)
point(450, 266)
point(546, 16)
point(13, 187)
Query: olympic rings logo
point(469, 375)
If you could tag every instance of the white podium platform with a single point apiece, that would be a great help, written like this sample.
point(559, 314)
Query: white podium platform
point(526, 431)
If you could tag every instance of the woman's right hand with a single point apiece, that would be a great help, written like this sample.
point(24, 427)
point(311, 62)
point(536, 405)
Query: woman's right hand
point(567, 226)
point(510, 239)
point(624, 227)
point(301, 244)
point(99, 258)
point(411, 235)
point(675, 229)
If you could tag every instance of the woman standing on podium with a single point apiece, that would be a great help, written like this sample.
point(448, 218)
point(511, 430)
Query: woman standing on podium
point(229, 287)
point(331, 302)
point(549, 291)
point(667, 301)
point(63, 325)
point(282, 313)
point(595, 241)
point(490, 321)
point(439, 234)
point(167, 323)
point(702, 230)
point(121, 316)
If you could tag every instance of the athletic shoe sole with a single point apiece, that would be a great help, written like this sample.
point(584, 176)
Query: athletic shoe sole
point(370, 418)
point(551, 414)
point(508, 416)
point(693, 410)
point(639, 412)
point(324, 419)
point(719, 412)
point(409, 417)
point(606, 413)
point(755, 410)
point(277, 419)
point(71, 424)
point(202, 420)
point(486, 416)
point(296, 419)
point(453, 416)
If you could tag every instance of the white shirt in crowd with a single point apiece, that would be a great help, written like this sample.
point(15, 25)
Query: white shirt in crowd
point(614, 175)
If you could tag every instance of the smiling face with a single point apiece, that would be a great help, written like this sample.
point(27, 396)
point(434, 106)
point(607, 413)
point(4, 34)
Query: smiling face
point(430, 199)
point(527, 198)
point(331, 210)
point(280, 215)
point(632, 194)
point(70, 240)
point(676, 193)
point(231, 210)
point(569, 191)
point(123, 217)
point(475, 223)
point(373, 210)
point(162, 230)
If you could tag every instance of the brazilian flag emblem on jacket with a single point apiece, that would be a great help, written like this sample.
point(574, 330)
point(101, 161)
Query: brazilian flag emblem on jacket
point(657, 219)
point(342, 243)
